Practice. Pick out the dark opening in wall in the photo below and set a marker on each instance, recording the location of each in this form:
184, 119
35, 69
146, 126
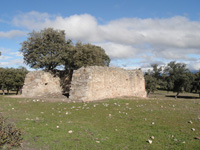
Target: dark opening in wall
65, 80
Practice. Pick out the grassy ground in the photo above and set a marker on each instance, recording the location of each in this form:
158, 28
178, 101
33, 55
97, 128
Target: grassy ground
116, 124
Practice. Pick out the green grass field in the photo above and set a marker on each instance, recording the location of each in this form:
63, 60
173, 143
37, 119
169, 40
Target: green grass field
115, 124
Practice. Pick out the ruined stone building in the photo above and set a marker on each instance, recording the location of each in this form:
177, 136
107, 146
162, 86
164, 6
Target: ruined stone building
40, 83
89, 83
94, 83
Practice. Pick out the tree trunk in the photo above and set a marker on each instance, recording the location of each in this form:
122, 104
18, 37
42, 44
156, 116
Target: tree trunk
17, 91
3, 92
148, 93
177, 95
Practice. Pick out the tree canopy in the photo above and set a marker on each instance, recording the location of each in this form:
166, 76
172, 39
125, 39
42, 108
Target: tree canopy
44, 49
11, 78
172, 77
177, 74
150, 82
86, 55
48, 49
196, 82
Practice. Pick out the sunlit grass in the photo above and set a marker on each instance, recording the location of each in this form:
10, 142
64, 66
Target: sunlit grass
109, 124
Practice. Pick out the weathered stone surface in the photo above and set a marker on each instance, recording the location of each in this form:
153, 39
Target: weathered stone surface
40, 83
95, 83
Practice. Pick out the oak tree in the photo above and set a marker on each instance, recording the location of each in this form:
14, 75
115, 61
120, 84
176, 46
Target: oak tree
44, 49
48, 49
177, 76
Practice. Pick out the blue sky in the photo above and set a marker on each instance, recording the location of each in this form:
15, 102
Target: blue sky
134, 33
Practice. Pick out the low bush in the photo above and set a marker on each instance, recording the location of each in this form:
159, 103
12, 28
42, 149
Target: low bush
10, 136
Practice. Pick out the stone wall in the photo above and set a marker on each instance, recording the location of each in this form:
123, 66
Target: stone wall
95, 83
40, 83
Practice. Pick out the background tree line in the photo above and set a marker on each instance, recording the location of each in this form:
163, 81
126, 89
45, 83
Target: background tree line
12, 79
172, 77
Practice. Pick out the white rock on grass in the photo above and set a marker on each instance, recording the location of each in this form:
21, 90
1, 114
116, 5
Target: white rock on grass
152, 137
190, 122
70, 131
150, 141
193, 129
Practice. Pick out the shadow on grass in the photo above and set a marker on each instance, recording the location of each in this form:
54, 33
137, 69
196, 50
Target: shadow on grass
184, 97
8, 93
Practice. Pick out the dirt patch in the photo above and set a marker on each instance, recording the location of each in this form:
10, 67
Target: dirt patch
14, 96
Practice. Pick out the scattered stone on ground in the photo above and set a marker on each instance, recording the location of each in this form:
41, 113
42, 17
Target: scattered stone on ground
150, 141
190, 122
197, 138
152, 137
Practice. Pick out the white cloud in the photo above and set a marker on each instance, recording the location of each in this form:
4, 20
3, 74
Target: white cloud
194, 65
8, 58
12, 33
4, 64
115, 50
32, 20
17, 62
12, 63
19, 54
77, 27
4, 50
5, 57
147, 39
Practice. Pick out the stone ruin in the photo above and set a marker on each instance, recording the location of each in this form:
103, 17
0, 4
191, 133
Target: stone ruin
95, 83
40, 83
88, 83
